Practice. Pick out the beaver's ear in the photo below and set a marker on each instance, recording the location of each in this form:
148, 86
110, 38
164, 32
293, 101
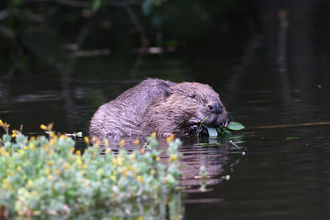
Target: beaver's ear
167, 93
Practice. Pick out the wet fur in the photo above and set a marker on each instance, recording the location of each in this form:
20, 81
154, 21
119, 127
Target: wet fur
155, 105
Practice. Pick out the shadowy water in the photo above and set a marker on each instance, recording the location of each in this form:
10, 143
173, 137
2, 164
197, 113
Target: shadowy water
280, 77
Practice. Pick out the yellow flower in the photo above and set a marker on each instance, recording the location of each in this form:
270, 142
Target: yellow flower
25, 147
5, 180
133, 156
32, 146
122, 143
108, 151
5, 185
85, 181
106, 142
30, 183
15, 133
10, 173
136, 142
3, 152
120, 160
79, 162
72, 149
170, 138
32, 138
78, 152
139, 178
142, 150
153, 134
114, 161
158, 159
53, 141
51, 134
174, 157
112, 177
1, 123
43, 127
152, 172
140, 217
49, 177
50, 126
86, 140
63, 136
21, 152
57, 172
47, 171
49, 163
97, 143
46, 148
18, 169
123, 171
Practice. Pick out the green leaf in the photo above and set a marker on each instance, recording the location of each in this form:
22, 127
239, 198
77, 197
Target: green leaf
291, 138
212, 131
235, 126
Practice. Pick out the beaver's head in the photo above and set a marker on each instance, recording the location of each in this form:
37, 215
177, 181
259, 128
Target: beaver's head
186, 101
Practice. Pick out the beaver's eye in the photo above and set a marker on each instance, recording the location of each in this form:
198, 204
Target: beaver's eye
192, 94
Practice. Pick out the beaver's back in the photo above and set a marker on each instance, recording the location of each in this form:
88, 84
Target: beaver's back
122, 116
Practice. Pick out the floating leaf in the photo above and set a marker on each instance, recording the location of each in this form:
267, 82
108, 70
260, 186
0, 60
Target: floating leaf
235, 126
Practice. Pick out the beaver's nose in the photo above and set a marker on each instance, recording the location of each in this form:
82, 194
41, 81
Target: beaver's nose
215, 107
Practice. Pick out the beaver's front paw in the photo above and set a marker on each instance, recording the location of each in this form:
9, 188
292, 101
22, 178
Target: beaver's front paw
193, 126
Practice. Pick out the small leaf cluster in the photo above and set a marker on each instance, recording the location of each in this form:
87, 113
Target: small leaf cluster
232, 126
48, 176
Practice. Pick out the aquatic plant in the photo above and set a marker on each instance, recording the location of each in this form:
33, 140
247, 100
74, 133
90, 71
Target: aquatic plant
42, 177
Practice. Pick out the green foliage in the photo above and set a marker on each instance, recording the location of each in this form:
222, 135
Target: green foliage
232, 126
42, 176
218, 131
235, 126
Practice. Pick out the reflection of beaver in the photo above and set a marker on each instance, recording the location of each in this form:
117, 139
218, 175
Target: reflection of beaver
161, 106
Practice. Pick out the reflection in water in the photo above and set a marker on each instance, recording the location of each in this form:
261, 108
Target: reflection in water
282, 60
302, 55
211, 157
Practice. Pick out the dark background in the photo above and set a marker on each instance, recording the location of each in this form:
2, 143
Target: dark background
60, 60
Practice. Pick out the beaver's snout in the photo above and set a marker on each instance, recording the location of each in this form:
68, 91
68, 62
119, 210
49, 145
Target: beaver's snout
216, 113
215, 107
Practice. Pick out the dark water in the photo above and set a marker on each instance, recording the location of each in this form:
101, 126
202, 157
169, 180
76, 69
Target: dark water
284, 172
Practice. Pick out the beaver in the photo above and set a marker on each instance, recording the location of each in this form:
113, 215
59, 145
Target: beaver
159, 106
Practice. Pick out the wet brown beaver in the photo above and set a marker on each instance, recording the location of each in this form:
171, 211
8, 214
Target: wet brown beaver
159, 106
